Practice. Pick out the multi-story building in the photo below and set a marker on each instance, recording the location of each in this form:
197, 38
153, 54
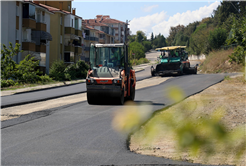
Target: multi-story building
107, 36
66, 32
91, 36
28, 24
121, 28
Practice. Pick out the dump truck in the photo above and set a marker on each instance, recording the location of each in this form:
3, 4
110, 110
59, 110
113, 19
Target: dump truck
109, 76
173, 59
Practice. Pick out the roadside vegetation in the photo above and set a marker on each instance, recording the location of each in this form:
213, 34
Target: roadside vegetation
139, 45
27, 74
219, 62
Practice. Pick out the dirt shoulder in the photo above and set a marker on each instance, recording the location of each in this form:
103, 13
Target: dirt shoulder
230, 94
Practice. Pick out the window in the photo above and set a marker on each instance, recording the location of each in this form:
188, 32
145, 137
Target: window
28, 11
17, 10
38, 16
76, 24
17, 34
43, 18
61, 20
61, 39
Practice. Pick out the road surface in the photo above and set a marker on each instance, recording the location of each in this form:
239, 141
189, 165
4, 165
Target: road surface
81, 134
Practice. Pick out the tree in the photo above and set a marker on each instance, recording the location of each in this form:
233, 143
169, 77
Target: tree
152, 38
238, 37
147, 46
137, 49
172, 33
217, 38
140, 36
8, 65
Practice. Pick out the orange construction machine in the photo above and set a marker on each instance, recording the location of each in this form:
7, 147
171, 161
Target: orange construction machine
109, 75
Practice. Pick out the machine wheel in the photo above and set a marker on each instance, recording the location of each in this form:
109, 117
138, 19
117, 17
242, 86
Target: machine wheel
132, 95
152, 71
90, 99
121, 99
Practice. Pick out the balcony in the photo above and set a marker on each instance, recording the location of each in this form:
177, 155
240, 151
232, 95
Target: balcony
69, 48
29, 23
41, 26
102, 40
78, 32
29, 45
69, 30
41, 48
78, 49
91, 38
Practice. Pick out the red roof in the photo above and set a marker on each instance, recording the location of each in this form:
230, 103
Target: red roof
94, 22
53, 9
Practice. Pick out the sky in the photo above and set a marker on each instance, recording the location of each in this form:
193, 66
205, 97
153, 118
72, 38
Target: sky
155, 16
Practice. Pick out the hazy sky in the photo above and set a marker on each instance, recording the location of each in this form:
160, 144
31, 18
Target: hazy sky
155, 16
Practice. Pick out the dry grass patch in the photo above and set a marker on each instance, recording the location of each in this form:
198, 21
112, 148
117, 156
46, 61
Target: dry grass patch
218, 62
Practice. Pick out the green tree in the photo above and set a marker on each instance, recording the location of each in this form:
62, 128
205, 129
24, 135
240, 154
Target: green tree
152, 38
140, 36
8, 65
238, 34
147, 46
217, 38
137, 49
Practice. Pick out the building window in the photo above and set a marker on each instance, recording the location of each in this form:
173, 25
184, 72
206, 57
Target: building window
17, 10
76, 24
38, 16
61, 20
61, 39
17, 34
29, 11
69, 8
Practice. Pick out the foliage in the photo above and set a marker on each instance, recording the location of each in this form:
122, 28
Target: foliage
147, 46
13, 74
134, 62
238, 36
57, 70
76, 71
217, 38
159, 41
8, 65
137, 49
140, 36
198, 134
27, 72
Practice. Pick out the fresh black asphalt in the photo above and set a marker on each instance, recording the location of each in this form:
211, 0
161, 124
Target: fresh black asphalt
82, 134
51, 93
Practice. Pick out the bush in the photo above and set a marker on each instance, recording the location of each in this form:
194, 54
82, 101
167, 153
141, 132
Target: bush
76, 71
57, 71
217, 38
7, 83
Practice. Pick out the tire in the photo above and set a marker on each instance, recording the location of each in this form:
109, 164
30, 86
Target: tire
152, 71
90, 99
132, 95
121, 99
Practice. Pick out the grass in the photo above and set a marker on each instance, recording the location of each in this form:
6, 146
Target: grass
218, 62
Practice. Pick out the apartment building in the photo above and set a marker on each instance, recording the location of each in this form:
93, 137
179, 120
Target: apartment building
91, 35
107, 36
121, 28
66, 32
28, 24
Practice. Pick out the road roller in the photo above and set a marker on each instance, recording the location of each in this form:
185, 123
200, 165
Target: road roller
109, 77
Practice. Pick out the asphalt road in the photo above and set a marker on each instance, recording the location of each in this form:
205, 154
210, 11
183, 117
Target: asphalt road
51, 93
81, 134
